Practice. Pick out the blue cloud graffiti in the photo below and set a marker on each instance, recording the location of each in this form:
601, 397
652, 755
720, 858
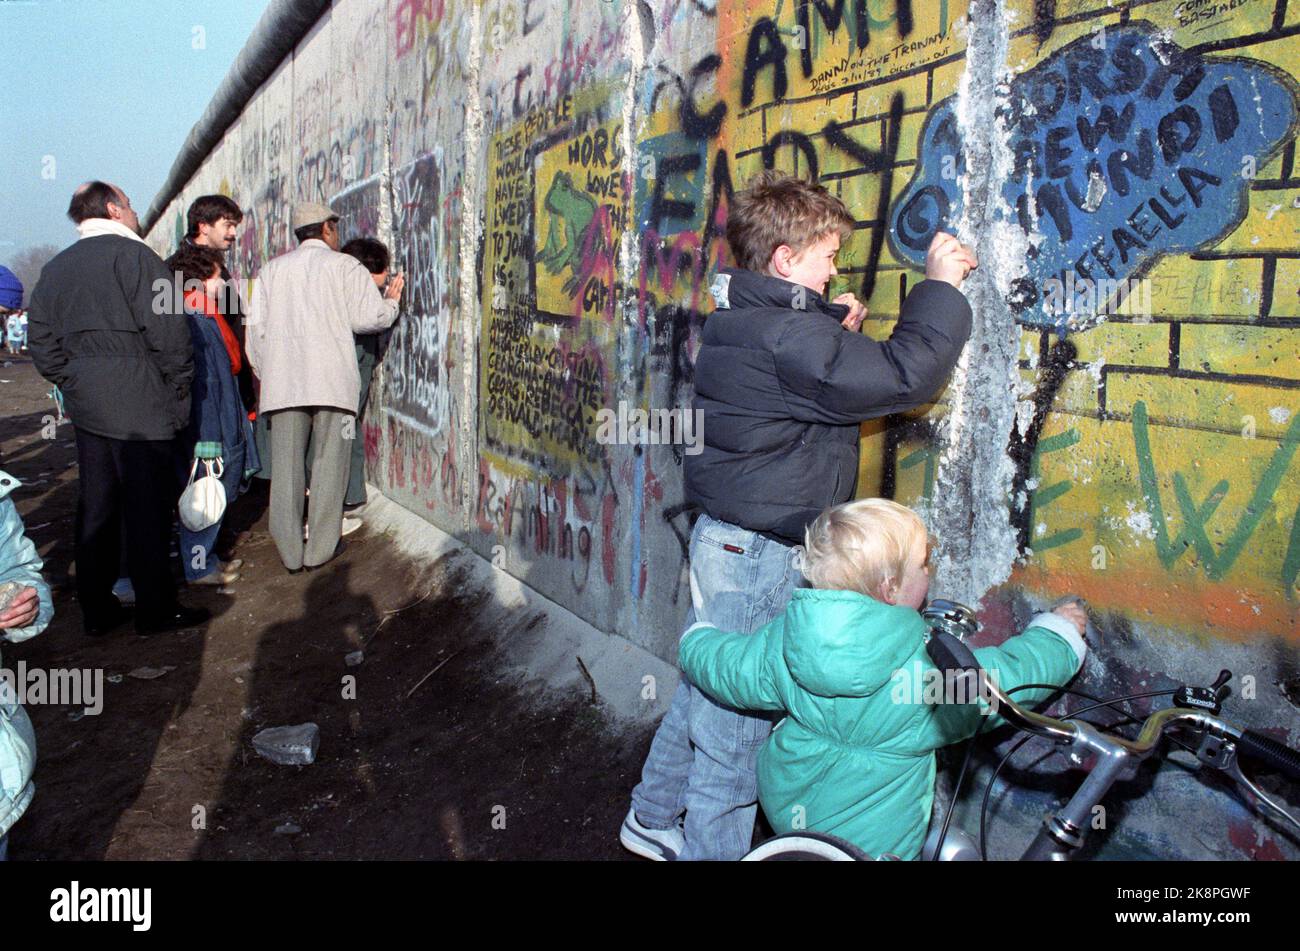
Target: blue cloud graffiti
1124, 150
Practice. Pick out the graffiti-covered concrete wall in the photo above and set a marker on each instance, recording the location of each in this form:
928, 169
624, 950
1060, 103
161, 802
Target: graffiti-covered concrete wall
554, 177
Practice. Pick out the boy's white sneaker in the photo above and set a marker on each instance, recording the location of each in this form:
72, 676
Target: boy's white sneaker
660, 845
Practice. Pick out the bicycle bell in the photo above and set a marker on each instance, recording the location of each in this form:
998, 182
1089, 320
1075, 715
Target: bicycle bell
950, 617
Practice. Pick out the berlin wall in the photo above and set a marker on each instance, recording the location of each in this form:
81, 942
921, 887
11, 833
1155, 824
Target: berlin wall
554, 178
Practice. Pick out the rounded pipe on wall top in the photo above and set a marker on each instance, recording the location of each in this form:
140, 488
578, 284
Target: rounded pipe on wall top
282, 26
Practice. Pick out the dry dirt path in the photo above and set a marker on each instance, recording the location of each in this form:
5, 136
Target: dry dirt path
167, 769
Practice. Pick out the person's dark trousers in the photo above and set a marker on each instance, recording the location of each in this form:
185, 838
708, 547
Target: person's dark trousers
367, 357
262, 436
247, 390
124, 486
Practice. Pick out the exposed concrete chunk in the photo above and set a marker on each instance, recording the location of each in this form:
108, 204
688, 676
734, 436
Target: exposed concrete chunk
970, 514
289, 745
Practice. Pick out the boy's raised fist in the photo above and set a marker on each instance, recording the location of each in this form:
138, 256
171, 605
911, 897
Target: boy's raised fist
949, 260
857, 311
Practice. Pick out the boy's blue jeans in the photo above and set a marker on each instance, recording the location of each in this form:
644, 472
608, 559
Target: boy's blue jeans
702, 759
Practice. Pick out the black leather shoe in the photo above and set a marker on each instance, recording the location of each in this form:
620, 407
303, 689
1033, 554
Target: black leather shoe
102, 622
177, 618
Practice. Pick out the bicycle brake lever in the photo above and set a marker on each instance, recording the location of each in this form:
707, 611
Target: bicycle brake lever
1222, 754
1216, 751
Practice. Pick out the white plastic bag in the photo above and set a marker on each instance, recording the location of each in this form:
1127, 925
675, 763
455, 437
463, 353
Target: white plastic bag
204, 500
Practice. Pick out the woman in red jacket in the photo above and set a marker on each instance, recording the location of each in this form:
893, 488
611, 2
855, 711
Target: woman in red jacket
219, 427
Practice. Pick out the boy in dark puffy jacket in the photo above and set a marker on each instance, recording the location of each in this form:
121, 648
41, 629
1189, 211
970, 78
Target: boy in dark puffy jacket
783, 380
865, 706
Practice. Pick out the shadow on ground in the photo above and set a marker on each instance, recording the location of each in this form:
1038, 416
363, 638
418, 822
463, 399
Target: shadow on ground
432, 752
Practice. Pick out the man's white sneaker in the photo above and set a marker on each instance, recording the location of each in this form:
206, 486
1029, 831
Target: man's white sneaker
349, 526
660, 845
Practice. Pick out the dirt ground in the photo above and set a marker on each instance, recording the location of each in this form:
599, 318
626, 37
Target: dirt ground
468, 764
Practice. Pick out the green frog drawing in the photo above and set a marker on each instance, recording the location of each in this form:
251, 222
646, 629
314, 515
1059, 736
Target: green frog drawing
572, 213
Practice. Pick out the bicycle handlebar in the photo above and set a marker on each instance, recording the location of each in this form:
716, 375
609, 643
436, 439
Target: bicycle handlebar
952, 655
1278, 755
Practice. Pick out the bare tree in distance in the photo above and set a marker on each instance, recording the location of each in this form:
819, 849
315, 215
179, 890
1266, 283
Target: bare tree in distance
27, 265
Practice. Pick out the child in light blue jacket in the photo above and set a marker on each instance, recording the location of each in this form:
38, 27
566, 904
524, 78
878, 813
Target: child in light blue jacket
846, 662
26, 615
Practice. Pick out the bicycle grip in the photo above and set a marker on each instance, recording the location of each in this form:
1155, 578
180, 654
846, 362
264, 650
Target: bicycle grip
1278, 755
948, 653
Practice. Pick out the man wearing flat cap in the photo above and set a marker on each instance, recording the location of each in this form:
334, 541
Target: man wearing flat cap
306, 306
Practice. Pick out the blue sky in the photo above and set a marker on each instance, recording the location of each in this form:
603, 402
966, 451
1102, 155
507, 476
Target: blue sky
106, 89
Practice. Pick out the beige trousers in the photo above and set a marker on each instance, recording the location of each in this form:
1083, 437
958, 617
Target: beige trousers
331, 432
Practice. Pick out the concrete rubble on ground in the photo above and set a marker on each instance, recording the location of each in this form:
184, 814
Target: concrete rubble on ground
289, 745
151, 673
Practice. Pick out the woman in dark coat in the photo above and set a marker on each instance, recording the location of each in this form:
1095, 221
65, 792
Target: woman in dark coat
219, 426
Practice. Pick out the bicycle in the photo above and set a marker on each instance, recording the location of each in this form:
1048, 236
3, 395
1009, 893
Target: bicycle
1218, 744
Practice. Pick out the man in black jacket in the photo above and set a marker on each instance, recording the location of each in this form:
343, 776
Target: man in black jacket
103, 329
784, 381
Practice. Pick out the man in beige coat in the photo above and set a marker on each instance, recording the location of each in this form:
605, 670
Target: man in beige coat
306, 306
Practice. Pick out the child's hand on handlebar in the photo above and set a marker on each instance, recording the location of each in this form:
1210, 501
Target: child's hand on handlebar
1073, 611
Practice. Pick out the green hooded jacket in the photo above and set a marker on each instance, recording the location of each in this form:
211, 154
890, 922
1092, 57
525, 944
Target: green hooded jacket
855, 755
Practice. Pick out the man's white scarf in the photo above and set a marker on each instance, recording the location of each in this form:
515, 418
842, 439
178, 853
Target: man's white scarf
94, 227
